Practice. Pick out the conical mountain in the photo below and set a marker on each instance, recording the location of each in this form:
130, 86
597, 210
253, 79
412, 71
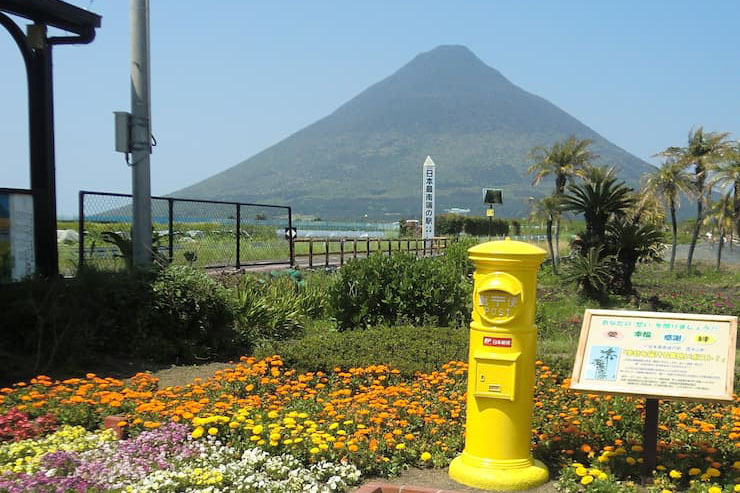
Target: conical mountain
366, 157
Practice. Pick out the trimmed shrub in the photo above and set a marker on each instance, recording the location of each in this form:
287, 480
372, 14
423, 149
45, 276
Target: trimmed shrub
191, 316
479, 226
407, 348
267, 310
170, 315
400, 289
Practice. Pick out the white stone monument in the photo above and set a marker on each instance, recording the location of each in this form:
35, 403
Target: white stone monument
427, 203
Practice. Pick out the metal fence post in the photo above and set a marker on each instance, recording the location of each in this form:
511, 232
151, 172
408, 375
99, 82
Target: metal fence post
171, 229
368, 247
290, 237
310, 253
341, 251
238, 234
81, 231
326, 252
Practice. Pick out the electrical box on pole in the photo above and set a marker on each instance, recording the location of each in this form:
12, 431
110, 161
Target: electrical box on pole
123, 131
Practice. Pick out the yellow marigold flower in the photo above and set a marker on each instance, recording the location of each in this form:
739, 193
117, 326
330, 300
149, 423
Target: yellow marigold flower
736, 464
660, 467
637, 448
400, 446
581, 471
737, 487
715, 489
314, 450
198, 432
272, 414
212, 431
665, 491
603, 458
675, 474
712, 472
694, 471
425, 456
602, 476
233, 425
631, 461
587, 480
576, 465
257, 429
334, 426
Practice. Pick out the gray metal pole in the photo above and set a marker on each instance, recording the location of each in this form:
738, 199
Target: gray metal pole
141, 133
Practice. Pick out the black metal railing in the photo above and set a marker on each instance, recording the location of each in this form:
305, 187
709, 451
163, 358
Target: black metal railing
201, 233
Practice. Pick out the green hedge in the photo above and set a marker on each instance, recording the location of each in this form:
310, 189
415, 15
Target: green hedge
407, 348
173, 315
400, 289
454, 224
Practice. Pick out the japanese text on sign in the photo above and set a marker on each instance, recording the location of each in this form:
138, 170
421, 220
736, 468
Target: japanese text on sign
428, 199
656, 354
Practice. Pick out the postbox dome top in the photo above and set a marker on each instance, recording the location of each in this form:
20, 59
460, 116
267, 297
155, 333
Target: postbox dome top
508, 248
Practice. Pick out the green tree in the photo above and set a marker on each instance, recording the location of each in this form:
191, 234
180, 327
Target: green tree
666, 183
702, 151
720, 220
562, 160
727, 175
599, 197
591, 271
547, 209
633, 242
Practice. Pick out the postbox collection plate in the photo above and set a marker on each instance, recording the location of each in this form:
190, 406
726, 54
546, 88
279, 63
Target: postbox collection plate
496, 375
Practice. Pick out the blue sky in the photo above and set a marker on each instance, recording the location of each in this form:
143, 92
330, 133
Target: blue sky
234, 77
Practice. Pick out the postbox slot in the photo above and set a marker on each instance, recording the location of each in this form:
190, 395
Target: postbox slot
495, 375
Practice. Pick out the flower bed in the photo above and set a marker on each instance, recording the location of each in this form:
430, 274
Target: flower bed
166, 459
380, 423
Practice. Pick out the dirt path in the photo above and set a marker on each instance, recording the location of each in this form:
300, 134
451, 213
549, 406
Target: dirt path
440, 479
182, 375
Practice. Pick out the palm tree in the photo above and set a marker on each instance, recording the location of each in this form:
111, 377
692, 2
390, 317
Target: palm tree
720, 220
633, 242
547, 209
727, 175
562, 160
666, 183
599, 198
702, 151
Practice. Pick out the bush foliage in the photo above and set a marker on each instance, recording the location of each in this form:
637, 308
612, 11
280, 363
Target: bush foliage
407, 348
400, 289
170, 315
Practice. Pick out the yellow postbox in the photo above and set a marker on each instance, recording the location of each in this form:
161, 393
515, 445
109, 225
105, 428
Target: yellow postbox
503, 341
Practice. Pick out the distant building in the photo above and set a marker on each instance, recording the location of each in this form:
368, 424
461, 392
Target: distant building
457, 210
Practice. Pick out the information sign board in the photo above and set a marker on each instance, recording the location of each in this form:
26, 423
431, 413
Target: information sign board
656, 355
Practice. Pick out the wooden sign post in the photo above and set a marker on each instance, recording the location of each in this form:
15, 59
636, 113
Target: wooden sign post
656, 356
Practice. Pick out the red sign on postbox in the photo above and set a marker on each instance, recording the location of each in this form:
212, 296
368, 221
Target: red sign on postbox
497, 341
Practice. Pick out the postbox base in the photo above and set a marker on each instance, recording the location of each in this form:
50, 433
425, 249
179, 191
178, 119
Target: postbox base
489, 474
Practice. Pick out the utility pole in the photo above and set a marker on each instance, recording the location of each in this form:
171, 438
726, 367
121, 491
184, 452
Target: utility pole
141, 134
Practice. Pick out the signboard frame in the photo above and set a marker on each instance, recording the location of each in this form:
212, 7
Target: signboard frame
578, 384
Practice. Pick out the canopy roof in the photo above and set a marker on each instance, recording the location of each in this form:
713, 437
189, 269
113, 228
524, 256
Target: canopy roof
54, 13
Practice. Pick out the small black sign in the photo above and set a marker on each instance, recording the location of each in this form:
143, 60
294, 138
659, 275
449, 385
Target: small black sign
290, 233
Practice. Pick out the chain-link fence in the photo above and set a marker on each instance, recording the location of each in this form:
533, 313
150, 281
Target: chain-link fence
201, 233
